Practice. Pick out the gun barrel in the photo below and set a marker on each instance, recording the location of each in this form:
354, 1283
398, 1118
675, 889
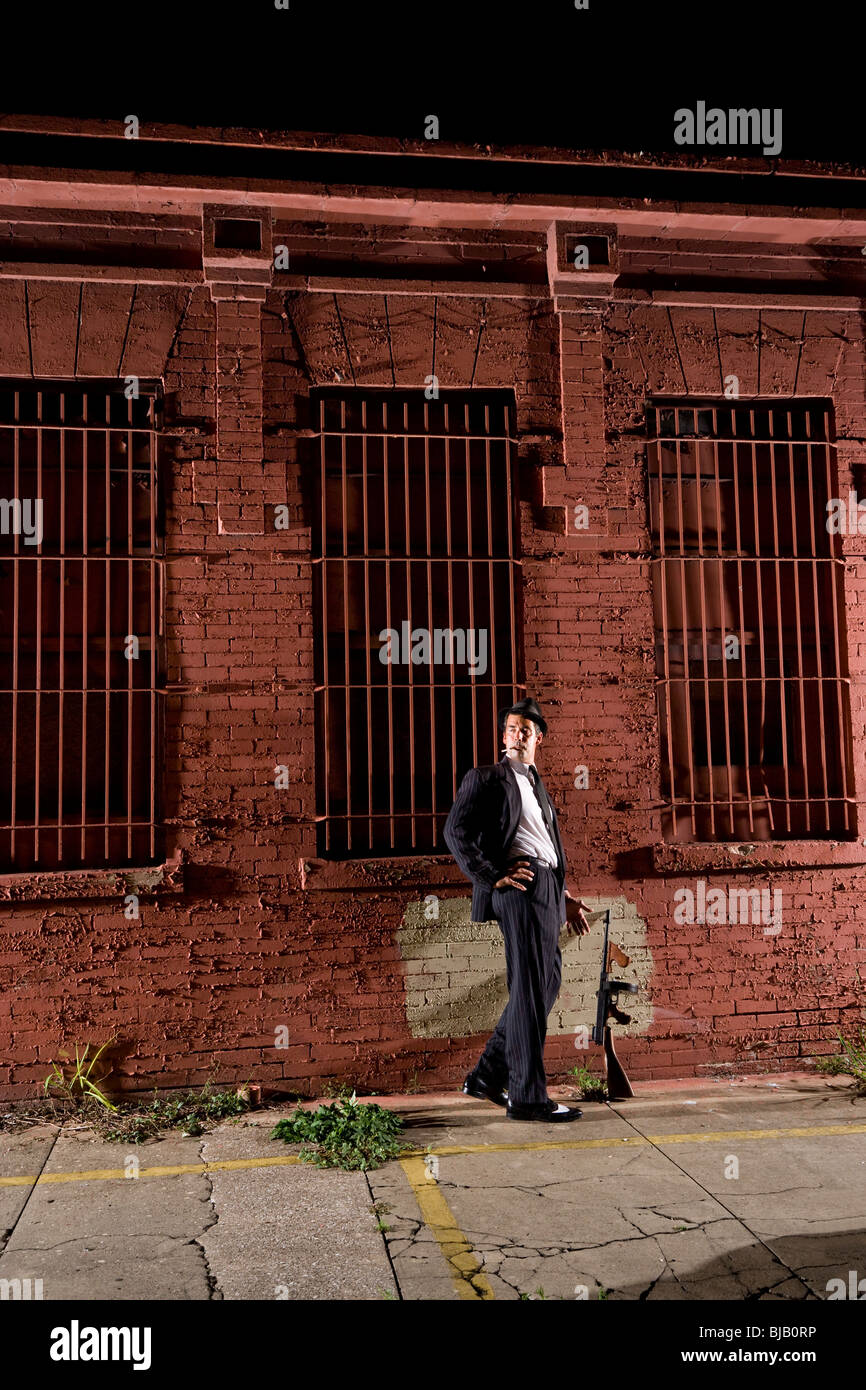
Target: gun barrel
601, 1009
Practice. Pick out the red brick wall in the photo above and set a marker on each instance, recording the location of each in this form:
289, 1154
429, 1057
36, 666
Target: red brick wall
721, 994
199, 984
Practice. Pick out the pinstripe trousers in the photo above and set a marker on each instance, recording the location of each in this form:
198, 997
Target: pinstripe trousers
530, 923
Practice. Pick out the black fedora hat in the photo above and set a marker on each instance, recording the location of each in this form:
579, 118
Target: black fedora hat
527, 709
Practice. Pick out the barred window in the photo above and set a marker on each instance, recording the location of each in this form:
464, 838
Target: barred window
753, 695
81, 601
417, 609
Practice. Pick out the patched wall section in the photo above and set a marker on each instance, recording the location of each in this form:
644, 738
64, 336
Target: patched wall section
455, 970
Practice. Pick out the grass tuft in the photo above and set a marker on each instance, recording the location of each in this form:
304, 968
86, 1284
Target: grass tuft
190, 1112
851, 1061
591, 1087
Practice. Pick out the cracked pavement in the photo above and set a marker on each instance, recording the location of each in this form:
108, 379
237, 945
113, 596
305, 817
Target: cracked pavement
720, 1216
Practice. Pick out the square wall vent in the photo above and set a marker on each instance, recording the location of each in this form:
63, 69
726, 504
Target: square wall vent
237, 234
233, 236
582, 258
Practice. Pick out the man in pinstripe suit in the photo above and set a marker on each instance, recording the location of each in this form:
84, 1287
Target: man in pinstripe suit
503, 832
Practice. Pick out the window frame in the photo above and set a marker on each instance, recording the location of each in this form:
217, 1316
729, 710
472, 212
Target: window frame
671, 854
330, 864
117, 873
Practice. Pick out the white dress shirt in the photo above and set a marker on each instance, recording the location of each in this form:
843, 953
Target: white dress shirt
531, 838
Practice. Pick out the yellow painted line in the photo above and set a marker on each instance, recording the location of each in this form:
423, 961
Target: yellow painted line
167, 1171
466, 1271
632, 1140
699, 1137
794, 1132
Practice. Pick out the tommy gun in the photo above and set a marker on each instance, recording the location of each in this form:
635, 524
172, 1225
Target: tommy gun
618, 1085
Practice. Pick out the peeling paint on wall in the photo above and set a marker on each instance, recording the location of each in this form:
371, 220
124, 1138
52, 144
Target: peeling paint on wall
240, 939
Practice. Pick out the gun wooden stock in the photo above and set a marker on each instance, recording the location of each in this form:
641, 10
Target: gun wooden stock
618, 1084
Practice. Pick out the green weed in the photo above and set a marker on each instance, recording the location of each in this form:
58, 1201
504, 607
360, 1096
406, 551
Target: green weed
74, 1079
591, 1087
851, 1061
189, 1112
346, 1135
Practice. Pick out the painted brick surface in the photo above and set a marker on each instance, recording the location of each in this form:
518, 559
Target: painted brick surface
252, 971
456, 981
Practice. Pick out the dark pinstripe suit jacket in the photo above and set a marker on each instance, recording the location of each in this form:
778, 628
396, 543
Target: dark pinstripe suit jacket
480, 827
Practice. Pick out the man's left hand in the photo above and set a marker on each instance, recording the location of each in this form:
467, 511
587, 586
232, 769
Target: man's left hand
576, 923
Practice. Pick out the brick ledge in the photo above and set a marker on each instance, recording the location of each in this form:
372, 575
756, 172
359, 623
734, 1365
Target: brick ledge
167, 877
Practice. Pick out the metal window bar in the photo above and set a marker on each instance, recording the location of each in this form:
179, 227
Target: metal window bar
79, 721
415, 520
752, 687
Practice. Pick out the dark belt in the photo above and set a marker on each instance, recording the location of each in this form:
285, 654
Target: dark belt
535, 863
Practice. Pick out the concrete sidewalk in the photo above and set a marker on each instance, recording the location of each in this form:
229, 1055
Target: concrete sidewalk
726, 1190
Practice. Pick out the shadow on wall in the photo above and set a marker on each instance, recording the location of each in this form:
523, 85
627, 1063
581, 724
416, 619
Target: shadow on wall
455, 970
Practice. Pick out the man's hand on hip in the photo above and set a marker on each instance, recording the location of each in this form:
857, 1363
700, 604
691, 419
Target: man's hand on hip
517, 871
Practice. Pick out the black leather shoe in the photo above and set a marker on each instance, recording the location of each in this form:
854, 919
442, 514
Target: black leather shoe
474, 1086
548, 1112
